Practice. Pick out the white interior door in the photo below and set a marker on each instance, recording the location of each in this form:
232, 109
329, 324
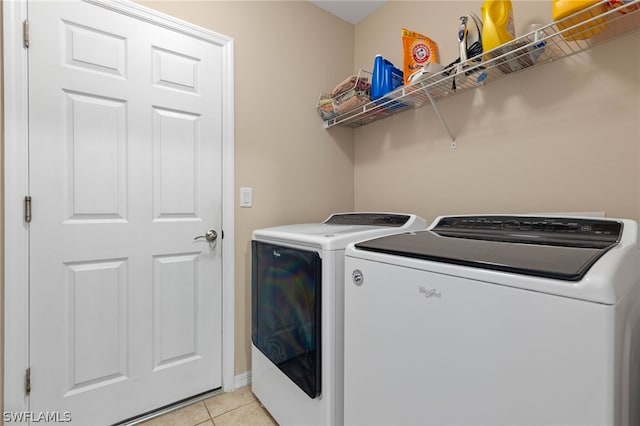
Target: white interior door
125, 170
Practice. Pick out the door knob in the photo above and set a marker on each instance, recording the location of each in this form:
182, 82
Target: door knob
211, 236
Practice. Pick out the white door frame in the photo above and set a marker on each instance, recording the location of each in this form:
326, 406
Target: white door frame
16, 182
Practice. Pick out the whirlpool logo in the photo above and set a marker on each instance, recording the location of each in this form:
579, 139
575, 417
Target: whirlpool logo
429, 292
357, 276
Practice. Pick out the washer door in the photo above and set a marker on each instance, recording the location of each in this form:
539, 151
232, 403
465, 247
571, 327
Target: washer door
285, 296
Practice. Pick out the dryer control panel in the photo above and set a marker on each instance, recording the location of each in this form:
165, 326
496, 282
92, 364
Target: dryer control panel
369, 219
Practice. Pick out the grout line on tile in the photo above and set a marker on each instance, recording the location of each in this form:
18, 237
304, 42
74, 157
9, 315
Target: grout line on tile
208, 412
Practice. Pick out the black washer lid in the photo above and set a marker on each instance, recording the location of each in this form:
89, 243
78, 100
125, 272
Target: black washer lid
562, 249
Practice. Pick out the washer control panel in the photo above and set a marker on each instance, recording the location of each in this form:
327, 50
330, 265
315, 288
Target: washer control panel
541, 227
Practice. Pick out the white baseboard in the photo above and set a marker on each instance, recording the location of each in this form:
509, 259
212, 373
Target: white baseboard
242, 380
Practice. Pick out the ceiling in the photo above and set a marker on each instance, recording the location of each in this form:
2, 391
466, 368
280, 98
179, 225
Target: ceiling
352, 11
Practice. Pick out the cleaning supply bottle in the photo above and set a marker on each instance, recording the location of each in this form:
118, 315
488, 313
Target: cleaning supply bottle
378, 78
385, 77
563, 9
497, 23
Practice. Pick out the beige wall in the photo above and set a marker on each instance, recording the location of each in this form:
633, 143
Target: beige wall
562, 137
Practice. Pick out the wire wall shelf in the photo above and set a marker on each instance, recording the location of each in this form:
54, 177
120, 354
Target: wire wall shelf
576, 33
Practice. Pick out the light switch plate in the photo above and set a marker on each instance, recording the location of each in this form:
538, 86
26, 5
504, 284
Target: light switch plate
246, 197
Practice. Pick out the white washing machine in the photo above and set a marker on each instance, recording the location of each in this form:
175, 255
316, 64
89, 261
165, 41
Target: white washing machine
495, 320
297, 313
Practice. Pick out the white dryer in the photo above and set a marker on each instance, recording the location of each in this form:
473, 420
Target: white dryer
297, 313
495, 320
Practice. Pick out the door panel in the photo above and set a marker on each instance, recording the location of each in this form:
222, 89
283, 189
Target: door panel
97, 347
97, 164
94, 50
125, 170
175, 165
175, 292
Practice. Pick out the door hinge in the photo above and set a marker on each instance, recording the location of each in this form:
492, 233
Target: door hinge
27, 381
27, 209
25, 34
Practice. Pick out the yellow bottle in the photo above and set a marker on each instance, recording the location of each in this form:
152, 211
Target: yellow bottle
497, 23
563, 8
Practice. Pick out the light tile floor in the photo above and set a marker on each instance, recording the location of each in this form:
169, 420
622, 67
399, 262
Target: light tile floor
236, 408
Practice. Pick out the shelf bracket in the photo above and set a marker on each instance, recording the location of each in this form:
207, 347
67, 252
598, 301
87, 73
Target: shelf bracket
442, 120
